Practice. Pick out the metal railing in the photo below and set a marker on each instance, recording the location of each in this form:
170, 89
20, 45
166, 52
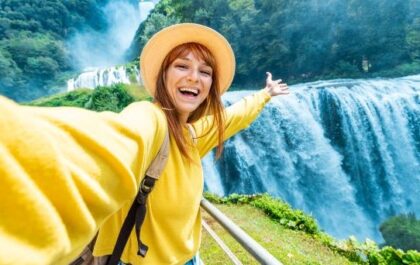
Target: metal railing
249, 244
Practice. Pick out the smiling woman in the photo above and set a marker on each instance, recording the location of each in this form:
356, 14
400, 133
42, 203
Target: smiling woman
186, 68
77, 170
186, 91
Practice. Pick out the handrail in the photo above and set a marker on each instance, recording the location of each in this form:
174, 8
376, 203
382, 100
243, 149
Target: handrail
222, 244
255, 249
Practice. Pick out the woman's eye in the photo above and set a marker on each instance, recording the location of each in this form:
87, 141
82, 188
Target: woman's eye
182, 66
208, 73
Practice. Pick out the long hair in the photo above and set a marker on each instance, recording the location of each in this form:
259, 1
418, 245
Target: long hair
211, 105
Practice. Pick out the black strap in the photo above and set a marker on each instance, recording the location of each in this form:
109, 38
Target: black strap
137, 212
136, 216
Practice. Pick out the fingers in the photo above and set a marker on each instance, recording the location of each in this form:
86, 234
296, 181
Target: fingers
269, 77
276, 87
283, 89
282, 86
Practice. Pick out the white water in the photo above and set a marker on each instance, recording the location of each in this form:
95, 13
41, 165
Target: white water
100, 49
346, 151
103, 77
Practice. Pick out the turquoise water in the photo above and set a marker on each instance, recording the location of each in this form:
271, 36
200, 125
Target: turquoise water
345, 151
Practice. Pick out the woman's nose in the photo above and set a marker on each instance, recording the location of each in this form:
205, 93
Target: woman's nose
193, 76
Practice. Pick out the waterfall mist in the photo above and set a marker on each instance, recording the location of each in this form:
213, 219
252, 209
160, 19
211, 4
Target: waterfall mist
345, 151
90, 48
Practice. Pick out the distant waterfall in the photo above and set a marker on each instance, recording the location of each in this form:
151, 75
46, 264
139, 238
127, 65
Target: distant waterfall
104, 77
345, 151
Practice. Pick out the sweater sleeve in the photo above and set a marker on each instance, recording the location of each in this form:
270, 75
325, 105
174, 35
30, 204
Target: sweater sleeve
237, 117
64, 170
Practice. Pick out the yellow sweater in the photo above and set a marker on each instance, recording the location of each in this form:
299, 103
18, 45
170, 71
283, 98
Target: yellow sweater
63, 171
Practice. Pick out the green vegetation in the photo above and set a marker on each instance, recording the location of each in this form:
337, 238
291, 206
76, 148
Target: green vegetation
298, 40
33, 55
402, 231
297, 239
113, 98
304, 40
77, 98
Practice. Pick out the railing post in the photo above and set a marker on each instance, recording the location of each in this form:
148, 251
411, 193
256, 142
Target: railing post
255, 249
221, 244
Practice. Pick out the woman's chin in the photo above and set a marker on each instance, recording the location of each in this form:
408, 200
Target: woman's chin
186, 109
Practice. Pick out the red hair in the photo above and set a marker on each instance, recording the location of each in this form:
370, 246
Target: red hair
211, 105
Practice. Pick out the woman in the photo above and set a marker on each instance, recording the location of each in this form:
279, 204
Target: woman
76, 167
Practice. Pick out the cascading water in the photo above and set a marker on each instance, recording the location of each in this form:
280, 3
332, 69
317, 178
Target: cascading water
345, 151
104, 77
97, 51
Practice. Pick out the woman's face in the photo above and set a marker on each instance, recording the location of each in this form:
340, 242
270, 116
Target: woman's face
188, 80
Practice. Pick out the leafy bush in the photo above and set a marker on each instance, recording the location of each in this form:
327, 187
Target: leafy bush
389, 255
402, 231
113, 98
275, 208
285, 215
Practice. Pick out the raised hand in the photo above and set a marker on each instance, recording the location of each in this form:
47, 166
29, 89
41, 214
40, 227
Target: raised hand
275, 87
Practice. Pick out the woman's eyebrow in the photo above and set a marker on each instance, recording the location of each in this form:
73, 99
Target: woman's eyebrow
184, 58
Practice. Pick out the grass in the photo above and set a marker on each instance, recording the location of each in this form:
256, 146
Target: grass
289, 246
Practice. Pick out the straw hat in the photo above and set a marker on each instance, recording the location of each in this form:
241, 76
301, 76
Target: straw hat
156, 49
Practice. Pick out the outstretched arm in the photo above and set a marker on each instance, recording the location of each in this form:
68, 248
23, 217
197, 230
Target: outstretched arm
63, 171
239, 115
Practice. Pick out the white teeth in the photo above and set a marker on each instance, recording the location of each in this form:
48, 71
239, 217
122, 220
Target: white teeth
187, 89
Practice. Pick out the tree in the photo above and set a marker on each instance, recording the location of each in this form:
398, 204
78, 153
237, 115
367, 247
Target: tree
413, 39
9, 75
32, 36
402, 231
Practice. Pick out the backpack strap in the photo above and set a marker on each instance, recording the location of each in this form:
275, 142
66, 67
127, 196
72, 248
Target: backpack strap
137, 212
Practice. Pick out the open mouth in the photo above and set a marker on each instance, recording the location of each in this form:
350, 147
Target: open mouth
189, 91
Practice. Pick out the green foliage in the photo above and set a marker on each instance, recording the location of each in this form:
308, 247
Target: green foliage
285, 215
400, 70
413, 40
402, 231
77, 98
10, 74
32, 35
49, 16
275, 208
345, 69
389, 255
114, 98
156, 22
306, 40
367, 253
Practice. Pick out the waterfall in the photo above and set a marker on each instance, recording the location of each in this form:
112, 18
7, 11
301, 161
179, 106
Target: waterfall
345, 151
104, 77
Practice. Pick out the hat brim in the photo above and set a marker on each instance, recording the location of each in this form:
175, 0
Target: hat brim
158, 47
